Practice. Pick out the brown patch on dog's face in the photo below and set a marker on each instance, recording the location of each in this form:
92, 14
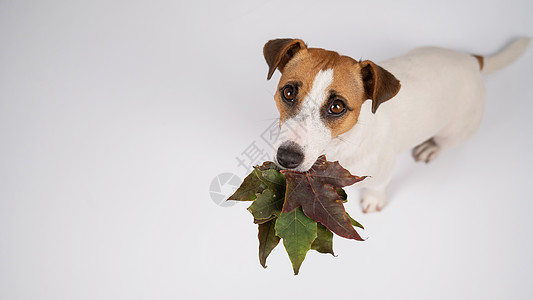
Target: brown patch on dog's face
347, 88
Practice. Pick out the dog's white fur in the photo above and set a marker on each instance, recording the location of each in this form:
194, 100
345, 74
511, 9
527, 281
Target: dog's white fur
432, 111
307, 129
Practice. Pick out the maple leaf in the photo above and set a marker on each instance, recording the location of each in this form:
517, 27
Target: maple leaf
354, 222
273, 180
298, 233
267, 206
316, 192
250, 186
324, 240
256, 182
268, 240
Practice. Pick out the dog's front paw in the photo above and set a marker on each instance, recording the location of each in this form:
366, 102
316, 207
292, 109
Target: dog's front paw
373, 200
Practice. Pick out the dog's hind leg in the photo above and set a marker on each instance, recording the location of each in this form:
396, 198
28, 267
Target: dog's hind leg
451, 136
461, 127
427, 151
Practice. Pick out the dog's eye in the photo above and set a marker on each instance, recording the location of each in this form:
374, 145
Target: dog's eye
337, 107
288, 93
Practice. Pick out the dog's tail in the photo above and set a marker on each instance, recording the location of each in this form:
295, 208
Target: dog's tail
500, 60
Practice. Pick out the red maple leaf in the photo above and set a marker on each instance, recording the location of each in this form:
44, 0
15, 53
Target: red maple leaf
315, 191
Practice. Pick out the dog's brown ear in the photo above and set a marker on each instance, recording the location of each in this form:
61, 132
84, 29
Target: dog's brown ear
379, 84
278, 53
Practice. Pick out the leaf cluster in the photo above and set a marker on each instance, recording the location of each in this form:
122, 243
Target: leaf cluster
303, 209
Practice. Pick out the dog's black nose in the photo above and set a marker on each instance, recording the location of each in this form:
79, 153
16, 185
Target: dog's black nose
290, 155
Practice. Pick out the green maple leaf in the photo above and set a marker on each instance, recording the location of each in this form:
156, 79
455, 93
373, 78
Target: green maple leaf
268, 240
316, 192
324, 240
354, 222
267, 205
250, 186
272, 178
257, 181
298, 233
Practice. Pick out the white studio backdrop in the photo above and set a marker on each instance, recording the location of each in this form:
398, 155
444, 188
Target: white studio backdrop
116, 117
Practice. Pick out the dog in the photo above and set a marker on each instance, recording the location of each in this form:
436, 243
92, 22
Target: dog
427, 100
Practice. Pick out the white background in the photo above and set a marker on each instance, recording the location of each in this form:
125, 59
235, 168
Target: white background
115, 116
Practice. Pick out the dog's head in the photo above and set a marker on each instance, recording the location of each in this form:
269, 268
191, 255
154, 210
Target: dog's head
319, 97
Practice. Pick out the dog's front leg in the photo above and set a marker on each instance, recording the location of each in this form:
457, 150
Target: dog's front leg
374, 196
373, 199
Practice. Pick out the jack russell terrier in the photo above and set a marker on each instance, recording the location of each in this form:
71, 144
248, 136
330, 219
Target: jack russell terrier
429, 99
